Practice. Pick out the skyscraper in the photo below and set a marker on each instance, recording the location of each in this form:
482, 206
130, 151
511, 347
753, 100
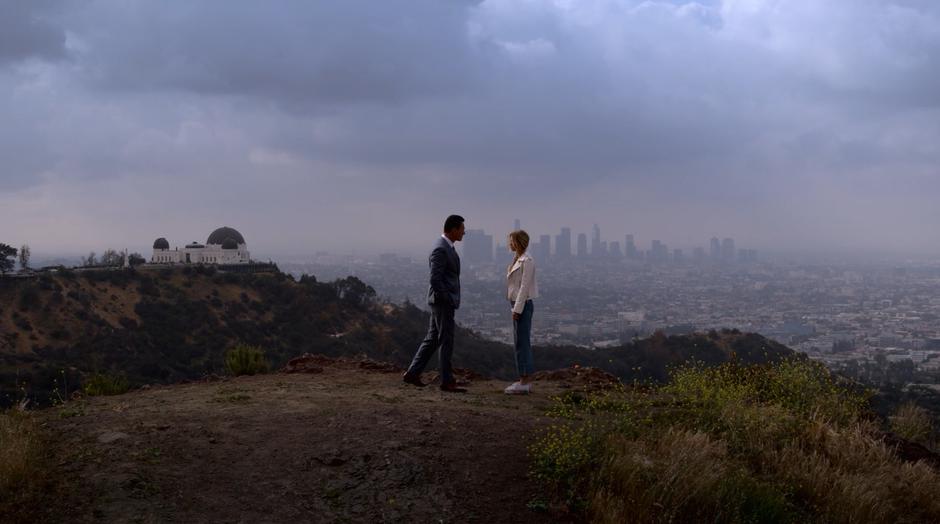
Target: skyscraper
516, 225
503, 255
629, 247
582, 245
747, 255
544, 247
715, 251
614, 250
596, 242
658, 252
478, 247
727, 250
563, 244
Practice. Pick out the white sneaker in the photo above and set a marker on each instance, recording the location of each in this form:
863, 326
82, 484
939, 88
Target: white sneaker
518, 388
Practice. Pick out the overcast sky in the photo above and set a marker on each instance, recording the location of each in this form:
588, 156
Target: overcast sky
360, 124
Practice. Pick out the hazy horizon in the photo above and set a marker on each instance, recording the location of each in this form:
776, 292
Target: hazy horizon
796, 126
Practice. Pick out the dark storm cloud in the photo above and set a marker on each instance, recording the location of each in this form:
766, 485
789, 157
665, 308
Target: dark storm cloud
501, 91
296, 54
549, 87
722, 109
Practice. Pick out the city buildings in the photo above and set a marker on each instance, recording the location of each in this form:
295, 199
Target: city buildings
629, 247
727, 250
858, 318
582, 245
477, 247
542, 250
563, 244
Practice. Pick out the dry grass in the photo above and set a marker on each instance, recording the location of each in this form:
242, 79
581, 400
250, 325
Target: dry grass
661, 480
24, 477
913, 423
828, 474
849, 475
776, 444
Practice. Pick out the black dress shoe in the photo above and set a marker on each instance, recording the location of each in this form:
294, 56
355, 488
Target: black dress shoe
414, 380
452, 387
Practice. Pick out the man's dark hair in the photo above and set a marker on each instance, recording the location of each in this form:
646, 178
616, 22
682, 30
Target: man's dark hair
452, 223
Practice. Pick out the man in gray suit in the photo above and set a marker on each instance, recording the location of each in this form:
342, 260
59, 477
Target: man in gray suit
444, 299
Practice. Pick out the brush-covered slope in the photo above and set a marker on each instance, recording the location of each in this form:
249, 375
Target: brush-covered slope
159, 326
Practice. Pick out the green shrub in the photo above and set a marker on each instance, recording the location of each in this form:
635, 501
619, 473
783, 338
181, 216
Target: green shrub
103, 384
802, 388
245, 360
563, 458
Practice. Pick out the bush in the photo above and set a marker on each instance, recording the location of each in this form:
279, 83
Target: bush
564, 457
148, 287
801, 388
101, 384
245, 360
29, 298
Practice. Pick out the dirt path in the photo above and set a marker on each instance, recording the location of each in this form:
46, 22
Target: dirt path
337, 446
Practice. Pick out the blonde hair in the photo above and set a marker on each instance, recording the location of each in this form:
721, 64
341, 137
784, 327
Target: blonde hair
519, 239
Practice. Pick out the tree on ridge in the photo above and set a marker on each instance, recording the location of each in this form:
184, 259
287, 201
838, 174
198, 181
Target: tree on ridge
6, 258
25, 252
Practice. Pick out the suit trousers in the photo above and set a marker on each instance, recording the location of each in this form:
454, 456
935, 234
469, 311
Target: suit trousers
440, 336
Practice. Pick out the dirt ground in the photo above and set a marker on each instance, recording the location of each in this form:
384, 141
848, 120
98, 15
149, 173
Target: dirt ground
340, 445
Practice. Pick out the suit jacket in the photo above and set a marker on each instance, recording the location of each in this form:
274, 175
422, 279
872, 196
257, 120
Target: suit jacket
445, 275
520, 281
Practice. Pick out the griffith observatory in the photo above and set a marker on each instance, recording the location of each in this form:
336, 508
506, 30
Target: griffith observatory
224, 246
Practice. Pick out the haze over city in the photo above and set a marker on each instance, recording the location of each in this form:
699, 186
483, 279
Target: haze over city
799, 125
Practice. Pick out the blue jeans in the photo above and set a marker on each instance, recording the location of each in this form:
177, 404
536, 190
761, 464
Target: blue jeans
522, 340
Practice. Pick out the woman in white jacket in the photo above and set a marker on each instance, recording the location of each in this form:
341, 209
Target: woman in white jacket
522, 288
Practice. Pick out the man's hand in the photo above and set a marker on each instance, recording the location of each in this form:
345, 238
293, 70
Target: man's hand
516, 316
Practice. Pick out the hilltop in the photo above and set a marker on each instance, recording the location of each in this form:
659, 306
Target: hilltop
164, 326
346, 443
343, 440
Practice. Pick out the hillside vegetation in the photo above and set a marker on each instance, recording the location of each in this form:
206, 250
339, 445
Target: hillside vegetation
345, 441
781, 443
163, 326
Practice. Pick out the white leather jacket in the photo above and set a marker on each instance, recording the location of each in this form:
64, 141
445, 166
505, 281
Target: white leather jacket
521, 282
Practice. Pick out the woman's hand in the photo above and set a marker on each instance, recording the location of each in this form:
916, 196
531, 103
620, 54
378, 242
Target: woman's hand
516, 316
